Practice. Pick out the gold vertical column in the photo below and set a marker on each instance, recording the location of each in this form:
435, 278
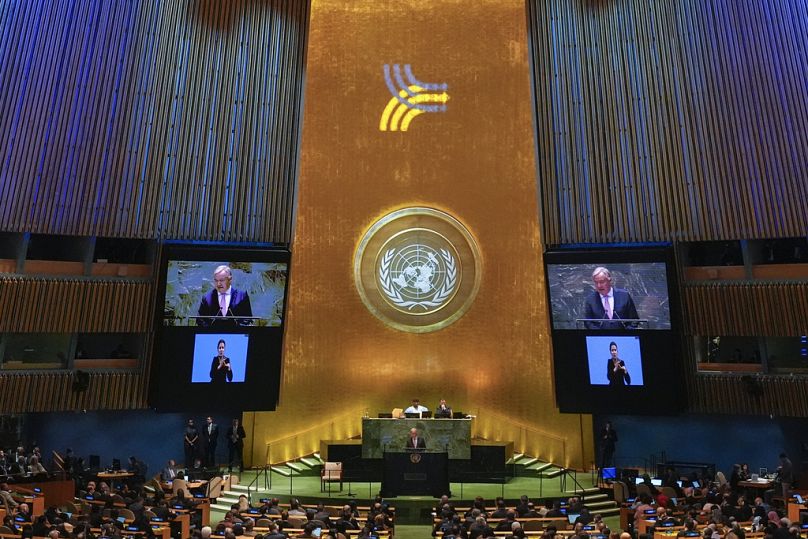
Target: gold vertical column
472, 156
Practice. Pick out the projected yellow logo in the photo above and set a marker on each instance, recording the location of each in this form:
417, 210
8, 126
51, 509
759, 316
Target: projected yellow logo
411, 98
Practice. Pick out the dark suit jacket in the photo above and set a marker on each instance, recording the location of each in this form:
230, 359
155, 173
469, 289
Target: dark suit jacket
211, 439
623, 309
618, 378
239, 306
238, 434
421, 443
220, 375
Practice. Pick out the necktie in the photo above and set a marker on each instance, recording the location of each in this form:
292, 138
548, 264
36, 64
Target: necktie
607, 308
222, 305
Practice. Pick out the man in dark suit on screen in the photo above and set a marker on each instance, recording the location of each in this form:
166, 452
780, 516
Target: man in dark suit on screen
415, 441
607, 307
223, 305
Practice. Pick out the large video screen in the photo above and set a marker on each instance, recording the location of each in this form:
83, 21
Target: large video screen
609, 295
614, 320
219, 328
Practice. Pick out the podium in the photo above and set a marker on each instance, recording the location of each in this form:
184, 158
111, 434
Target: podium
415, 473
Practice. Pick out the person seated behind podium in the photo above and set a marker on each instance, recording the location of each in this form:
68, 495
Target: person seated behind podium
170, 473
605, 306
416, 408
224, 302
415, 441
443, 410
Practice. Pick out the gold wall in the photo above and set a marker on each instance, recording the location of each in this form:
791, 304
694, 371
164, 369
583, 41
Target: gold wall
476, 161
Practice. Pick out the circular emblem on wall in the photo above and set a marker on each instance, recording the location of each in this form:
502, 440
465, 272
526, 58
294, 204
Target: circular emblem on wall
417, 269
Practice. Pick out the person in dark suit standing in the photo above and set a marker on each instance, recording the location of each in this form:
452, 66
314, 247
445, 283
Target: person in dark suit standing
211, 435
191, 443
221, 370
608, 441
616, 370
235, 445
606, 306
224, 303
415, 441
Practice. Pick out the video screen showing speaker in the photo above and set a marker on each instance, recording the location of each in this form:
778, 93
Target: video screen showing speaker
615, 337
219, 328
602, 294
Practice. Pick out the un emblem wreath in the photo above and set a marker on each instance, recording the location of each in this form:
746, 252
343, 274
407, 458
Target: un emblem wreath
417, 269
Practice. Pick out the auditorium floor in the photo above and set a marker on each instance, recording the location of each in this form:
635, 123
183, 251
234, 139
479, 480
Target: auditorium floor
413, 512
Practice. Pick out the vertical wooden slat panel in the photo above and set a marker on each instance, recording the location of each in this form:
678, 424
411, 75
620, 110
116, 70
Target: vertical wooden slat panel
75, 305
755, 308
664, 121
139, 119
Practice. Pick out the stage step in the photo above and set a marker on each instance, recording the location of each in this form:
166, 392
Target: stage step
282, 469
595, 507
540, 466
595, 498
515, 458
242, 489
528, 462
581, 491
551, 472
298, 467
311, 462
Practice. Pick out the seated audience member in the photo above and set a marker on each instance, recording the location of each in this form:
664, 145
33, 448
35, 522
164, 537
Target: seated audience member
242, 505
321, 515
24, 512
507, 523
283, 522
295, 510
639, 512
501, 510
170, 471
521, 507
42, 526
690, 526
6, 496
18, 466
35, 467
584, 517
555, 512
574, 505
479, 503
346, 520
531, 511
274, 532
269, 506
480, 528
137, 467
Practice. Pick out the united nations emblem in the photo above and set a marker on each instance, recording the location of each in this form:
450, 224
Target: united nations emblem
415, 458
417, 269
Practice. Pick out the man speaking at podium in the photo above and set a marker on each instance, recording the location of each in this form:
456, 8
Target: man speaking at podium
415, 441
224, 304
606, 306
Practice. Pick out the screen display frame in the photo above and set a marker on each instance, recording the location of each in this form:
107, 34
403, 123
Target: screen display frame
580, 371
175, 353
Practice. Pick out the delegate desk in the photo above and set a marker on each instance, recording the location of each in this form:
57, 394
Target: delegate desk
450, 435
413, 473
